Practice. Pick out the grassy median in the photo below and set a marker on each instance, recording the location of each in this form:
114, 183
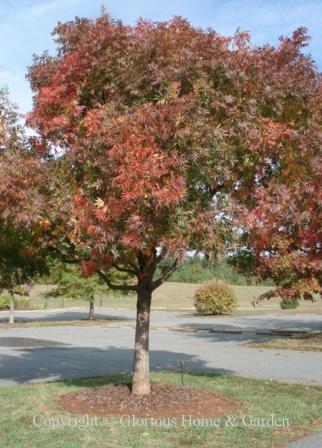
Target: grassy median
306, 342
299, 406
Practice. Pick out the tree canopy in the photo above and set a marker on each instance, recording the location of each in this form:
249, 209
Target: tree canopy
174, 138
21, 205
160, 119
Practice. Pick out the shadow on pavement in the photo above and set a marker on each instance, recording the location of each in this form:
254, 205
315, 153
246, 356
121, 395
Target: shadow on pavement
63, 316
52, 363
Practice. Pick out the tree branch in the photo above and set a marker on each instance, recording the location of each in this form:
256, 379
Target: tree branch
265, 296
65, 258
111, 285
162, 254
25, 289
168, 274
128, 271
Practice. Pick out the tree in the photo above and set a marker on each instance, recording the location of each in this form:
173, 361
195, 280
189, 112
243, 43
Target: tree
74, 286
283, 236
20, 263
72, 283
282, 232
164, 127
21, 257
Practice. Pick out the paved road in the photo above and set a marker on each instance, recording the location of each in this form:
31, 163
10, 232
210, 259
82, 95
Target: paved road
179, 319
314, 441
47, 353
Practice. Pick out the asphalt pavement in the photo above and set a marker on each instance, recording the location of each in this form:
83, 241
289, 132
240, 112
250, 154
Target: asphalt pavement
209, 344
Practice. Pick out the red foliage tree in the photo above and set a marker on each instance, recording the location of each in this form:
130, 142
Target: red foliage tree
22, 204
163, 125
282, 222
284, 234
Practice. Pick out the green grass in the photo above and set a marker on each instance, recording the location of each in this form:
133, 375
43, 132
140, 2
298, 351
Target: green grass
308, 342
301, 405
170, 295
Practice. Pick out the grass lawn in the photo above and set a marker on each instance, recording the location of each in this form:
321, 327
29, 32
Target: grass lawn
307, 342
170, 295
301, 405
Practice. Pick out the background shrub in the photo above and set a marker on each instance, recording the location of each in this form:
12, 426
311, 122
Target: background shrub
20, 303
198, 269
289, 304
215, 297
4, 302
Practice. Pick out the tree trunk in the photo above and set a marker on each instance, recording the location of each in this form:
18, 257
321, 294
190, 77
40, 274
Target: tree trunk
12, 309
141, 366
91, 308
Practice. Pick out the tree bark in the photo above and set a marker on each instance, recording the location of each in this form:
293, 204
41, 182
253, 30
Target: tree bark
141, 364
12, 309
91, 308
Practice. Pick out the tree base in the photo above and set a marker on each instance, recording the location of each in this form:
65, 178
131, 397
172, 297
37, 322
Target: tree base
141, 390
165, 400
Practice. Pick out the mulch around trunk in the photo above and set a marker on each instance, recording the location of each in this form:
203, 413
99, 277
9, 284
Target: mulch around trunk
165, 400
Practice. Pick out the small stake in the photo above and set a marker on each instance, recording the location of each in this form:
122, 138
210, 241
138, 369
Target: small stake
181, 365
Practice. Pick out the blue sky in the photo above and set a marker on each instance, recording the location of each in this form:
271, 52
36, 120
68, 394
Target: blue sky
25, 25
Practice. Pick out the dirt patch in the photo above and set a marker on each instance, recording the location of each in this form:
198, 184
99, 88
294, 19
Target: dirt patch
165, 400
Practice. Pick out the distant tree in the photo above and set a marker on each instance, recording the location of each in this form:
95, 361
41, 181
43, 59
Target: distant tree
20, 263
164, 127
21, 255
71, 283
